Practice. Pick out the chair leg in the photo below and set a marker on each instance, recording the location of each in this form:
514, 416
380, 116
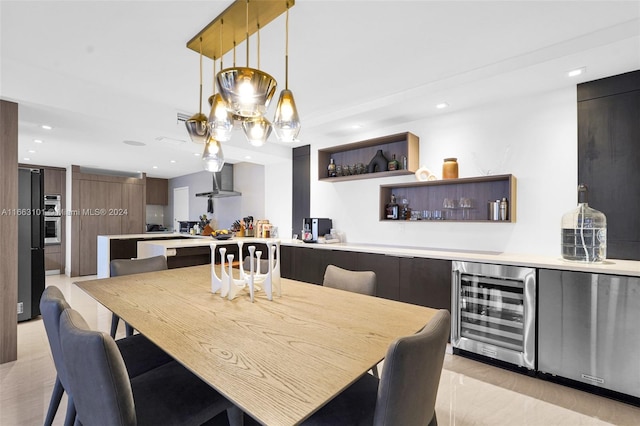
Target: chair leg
235, 416
56, 396
374, 372
114, 324
128, 329
70, 417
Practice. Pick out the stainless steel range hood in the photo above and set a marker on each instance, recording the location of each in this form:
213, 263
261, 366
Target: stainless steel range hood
222, 184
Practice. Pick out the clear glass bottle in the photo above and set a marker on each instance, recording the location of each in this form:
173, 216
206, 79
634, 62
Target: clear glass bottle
584, 232
331, 169
392, 210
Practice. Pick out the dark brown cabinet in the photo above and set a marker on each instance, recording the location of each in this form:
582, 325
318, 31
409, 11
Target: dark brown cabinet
54, 181
102, 205
426, 282
415, 280
52, 257
301, 187
387, 269
157, 191
608, 157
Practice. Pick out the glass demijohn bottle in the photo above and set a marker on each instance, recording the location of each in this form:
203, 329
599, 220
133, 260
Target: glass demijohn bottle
584, 232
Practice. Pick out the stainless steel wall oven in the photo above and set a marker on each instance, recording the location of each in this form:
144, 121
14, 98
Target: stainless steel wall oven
52, 229
493, 311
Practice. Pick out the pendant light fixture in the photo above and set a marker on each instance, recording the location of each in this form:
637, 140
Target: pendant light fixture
246, 91
212, 157
257, 130
197, 125
220, 121
286, 122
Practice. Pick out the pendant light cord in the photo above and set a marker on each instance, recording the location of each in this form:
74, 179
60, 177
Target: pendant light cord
247, 15
200, 104
221, 45
286, 52
258, 45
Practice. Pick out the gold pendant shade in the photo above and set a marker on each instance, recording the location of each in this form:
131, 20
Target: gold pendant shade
212, 157
246, 91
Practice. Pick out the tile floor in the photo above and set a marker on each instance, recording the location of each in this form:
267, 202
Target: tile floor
471, 393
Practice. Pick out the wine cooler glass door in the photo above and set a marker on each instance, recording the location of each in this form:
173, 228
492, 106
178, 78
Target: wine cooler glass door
494, 311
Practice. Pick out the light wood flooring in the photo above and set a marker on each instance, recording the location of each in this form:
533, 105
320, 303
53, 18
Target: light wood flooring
471, 393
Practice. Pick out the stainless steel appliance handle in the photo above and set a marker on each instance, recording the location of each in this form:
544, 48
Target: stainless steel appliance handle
455, 306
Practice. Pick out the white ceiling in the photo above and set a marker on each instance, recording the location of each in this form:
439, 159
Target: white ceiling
103, 72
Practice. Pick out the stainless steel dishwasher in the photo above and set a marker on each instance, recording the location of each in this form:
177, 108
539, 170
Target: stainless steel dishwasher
589, 329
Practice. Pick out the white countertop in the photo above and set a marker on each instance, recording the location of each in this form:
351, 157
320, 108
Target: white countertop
610, 266
150, 235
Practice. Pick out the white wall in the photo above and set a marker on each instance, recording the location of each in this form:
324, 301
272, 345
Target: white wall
248, 178
533, 138
278, 194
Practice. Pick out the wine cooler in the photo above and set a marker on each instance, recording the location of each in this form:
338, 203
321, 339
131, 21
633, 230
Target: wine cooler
493, 312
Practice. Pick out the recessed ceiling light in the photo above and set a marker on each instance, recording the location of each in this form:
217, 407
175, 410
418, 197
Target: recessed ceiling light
172, 161
442, 105
31, 151
134, 143
247, 157
197, 154
356, 126
27, 159
38, 140
46, 127
577, 72
155, 167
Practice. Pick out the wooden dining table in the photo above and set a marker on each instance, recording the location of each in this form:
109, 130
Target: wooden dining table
280, 360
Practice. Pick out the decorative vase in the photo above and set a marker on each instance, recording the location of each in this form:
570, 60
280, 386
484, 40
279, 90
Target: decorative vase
450, 168
379, 162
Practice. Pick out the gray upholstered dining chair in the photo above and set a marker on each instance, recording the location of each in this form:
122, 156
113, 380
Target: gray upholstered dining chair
119, 267
139, 353
363, 282
405, 394
105, 395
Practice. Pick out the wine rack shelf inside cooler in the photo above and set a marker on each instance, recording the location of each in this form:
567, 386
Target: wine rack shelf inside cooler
492, 311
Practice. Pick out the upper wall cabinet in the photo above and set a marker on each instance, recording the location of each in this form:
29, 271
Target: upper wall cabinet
54, 181
157, 191
353, 159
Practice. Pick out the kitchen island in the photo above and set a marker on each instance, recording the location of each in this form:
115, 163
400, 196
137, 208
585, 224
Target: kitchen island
124, 246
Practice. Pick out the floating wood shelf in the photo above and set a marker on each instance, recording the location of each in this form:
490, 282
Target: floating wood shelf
402, 144
430, 196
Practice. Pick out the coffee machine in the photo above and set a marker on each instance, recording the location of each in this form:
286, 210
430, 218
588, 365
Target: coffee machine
314, 227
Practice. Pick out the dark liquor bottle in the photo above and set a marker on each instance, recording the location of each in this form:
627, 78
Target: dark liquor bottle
393, 164
392, 209
331, 169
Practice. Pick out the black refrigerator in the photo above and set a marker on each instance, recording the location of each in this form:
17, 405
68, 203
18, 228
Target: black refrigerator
30, 242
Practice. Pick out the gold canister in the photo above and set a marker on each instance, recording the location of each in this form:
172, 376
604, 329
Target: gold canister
450, 168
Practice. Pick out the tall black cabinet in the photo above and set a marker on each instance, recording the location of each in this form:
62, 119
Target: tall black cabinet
301, 187
609, 157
